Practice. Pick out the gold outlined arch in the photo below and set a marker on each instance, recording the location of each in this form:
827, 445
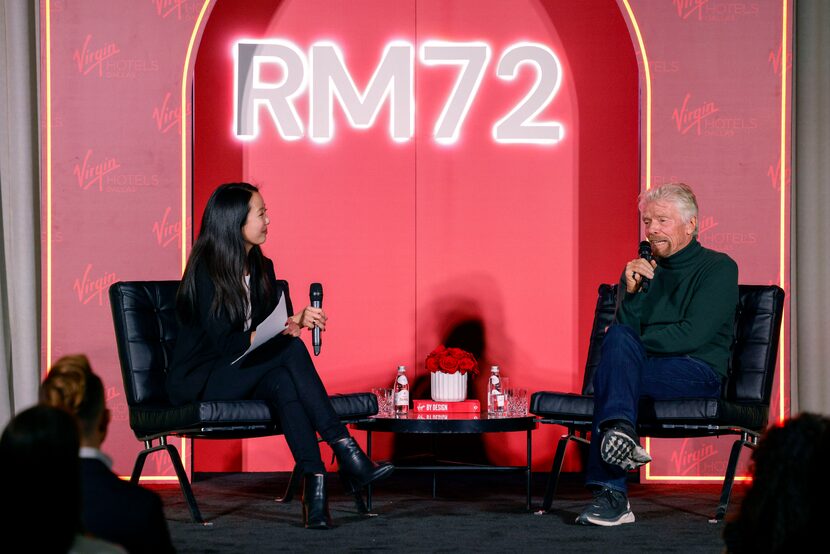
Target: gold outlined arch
187, 70
647, 72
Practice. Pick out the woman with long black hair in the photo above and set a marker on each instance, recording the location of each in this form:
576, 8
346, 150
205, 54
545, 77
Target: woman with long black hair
228, 288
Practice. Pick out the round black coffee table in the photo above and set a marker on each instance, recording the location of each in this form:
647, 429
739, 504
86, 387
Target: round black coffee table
450, 423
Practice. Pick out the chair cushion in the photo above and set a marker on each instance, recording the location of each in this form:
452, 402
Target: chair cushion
355, 405
653, 413
239, 417
561, 405
701, 411
201, 417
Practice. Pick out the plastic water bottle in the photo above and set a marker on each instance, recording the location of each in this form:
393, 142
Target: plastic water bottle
495, 394
401, 392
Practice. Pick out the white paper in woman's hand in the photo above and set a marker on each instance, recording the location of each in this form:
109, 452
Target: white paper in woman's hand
270, 327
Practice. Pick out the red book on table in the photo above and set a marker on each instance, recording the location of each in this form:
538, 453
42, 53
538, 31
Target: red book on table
432, 406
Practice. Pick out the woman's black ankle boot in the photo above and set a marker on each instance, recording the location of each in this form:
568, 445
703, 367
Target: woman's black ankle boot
315, 502
356, 465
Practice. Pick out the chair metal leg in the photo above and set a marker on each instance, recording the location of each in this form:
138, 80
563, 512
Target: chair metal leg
139, 463
181, 475
369, 486
184, 483
555, 470
528, 470
292, 485
728, 479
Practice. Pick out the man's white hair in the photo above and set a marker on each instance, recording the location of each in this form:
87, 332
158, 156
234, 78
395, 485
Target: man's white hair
680, 194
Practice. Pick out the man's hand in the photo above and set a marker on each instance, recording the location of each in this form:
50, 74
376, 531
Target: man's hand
635, 270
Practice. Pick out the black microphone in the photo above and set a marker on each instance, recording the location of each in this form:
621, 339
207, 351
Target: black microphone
315, 293
645, 253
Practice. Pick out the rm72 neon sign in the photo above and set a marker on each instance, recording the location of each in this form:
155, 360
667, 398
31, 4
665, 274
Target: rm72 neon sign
324, 73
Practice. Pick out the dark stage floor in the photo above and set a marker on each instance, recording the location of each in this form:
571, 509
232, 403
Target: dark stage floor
472, 513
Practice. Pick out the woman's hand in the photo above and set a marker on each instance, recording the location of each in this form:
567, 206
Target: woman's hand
292, 328
308, 318
311, 318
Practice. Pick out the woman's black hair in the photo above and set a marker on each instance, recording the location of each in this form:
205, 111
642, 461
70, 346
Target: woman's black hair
220, 251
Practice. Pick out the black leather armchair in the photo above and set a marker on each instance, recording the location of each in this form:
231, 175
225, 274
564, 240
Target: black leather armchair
146, 330
742, 409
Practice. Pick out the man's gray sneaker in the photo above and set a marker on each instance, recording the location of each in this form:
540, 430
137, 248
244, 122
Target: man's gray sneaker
608, 509
619, 448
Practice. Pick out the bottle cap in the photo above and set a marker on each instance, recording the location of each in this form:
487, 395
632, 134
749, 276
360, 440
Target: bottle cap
401, 368
494, 369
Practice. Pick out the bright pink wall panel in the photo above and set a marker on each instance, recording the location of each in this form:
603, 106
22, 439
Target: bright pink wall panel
115, 79
717, 124
410, 239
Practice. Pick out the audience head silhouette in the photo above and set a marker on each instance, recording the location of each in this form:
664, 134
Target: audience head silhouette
786, 502
72, 386
39, 471
114, 510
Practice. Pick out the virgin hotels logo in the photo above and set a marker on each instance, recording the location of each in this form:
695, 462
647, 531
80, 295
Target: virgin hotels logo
91, 57
167, 231
714, 10
775, 60
116, 404
687, 460
91, 287
160, 465
90, 173
702, 119
706, 224
723, 241
166, 8
689, 8
106, 174
168, 115
689, 115
774, 174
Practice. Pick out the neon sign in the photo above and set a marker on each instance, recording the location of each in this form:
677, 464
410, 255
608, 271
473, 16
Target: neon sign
324, 73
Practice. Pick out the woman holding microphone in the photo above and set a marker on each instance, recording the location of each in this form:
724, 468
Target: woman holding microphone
228, 288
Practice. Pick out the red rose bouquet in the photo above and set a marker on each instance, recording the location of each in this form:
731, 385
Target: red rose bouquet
452, 360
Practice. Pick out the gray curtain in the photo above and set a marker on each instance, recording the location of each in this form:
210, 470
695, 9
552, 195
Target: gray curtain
19, 208
811, 263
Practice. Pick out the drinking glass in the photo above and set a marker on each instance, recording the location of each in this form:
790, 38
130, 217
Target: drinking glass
384, 396
517, 402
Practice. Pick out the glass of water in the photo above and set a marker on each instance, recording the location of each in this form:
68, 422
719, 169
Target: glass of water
384, 395
516, 402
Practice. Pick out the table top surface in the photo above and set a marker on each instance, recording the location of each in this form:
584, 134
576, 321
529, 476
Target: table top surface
458, 422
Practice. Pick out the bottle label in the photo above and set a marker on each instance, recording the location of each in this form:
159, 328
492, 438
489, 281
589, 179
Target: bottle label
495, 381
402, 380
402, 398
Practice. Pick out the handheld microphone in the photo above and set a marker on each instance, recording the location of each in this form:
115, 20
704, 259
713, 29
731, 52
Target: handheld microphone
315, 294
645, 252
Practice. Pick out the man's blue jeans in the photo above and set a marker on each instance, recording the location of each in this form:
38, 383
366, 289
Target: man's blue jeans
624, 374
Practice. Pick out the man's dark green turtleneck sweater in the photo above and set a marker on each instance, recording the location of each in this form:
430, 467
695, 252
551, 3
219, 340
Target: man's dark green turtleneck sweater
689, 309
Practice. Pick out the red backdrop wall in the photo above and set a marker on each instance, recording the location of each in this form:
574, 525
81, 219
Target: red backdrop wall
411, 238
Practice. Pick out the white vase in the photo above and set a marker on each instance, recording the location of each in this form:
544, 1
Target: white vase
448, 387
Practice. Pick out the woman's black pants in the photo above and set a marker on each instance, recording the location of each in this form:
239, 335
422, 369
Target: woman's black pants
282, 373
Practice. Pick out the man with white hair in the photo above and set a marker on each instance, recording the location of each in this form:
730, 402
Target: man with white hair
670, 339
